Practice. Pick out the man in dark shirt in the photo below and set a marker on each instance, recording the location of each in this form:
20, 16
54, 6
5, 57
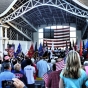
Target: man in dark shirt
24, 63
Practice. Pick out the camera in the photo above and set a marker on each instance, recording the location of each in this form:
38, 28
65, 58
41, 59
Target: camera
8, 84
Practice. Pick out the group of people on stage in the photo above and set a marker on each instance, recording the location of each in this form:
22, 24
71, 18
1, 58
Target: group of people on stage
63, 71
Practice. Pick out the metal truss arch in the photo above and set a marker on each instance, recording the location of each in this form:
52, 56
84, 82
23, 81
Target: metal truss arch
31, 4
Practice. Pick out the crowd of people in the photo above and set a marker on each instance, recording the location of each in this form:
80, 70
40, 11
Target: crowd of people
62, 72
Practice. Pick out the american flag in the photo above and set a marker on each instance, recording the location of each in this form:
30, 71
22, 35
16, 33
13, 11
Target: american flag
59, 37
60, 65
11, 49
45, 78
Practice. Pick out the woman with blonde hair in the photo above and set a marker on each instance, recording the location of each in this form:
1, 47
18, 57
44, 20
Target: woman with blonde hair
72, 76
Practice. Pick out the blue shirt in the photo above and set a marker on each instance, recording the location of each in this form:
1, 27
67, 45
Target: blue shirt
6, 75
74, 83
42, 67
86, 83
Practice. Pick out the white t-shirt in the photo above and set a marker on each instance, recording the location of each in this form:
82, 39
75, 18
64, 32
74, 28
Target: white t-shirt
29, 71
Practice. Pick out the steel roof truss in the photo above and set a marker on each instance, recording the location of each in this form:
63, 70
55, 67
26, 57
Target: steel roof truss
30, 4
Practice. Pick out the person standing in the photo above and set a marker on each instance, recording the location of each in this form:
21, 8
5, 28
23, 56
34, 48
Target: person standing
72, 76
6, 60
42, 67
6, 75
29, 71
53, 78
19, 74
24, 62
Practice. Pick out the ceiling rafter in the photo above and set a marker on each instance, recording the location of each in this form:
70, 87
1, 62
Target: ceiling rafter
19, 31
49, 12
62, 4
28, 23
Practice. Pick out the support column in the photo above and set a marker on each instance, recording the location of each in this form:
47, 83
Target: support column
5, 39
1, 41
5, 32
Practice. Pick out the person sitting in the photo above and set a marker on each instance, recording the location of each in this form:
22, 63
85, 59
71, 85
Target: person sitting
6, 75
72, 76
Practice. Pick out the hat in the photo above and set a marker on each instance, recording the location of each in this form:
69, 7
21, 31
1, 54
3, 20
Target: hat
6, 57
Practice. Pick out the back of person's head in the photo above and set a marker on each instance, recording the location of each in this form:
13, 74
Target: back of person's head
29, 62
73, 64
17, 67
14, 61
40, 57
26, 57
54, 67
49, 60
7, 66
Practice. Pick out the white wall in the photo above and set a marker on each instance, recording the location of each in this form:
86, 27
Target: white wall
24, 44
